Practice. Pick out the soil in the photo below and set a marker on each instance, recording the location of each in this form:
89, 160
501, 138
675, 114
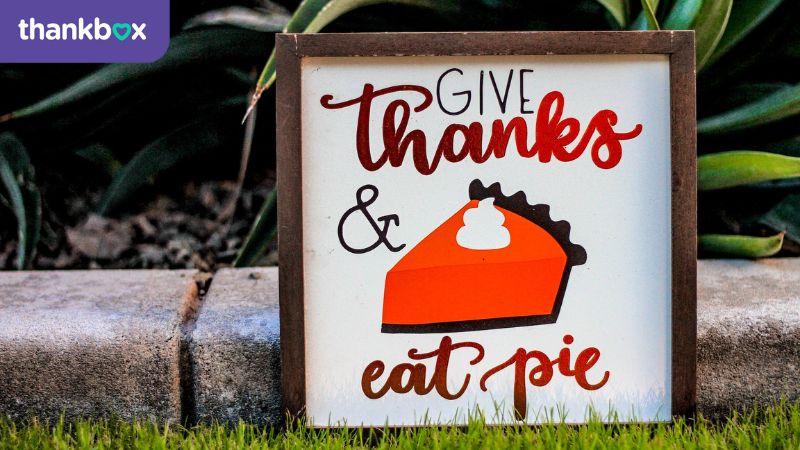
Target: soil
174, 227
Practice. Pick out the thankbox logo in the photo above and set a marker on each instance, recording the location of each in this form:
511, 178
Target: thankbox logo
81, 29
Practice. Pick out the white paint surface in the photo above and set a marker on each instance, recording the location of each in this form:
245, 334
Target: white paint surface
483, 228
619, 301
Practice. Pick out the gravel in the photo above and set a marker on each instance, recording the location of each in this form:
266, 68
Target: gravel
189, 227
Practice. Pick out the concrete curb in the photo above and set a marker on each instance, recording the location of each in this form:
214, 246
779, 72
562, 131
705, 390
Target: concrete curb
146, 344
93, 343
748, 327
235, 349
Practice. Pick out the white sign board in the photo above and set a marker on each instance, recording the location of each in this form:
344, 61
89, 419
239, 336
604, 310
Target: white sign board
486, 233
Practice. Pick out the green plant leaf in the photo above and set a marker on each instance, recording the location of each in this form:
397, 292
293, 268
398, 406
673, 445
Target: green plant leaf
737, 95
683, 15
101, 156
784, 145
740, 246
164, 153
261, 235
202, 46
779, 105
16, 174
257, 19
618, 10
709, 28
642, 21
649, 11
785, 216
745, 16
142, 110
737, 168
313, 15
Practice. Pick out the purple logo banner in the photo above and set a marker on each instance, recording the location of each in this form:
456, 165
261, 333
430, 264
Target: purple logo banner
83, 31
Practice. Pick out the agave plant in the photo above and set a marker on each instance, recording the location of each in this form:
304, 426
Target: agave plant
747, 143
135, 122
157, 116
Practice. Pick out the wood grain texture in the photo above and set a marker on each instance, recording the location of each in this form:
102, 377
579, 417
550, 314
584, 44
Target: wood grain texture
290, 224
684, 225
679, 45
487, 43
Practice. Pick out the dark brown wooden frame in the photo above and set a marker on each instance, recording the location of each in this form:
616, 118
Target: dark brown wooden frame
679, 45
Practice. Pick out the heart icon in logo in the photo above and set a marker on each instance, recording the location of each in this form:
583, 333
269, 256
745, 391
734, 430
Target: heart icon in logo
121, 30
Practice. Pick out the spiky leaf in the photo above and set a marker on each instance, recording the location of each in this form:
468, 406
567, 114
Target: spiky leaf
16, 174
618, 10
164, 153
266, 20
785, 216
740, 246
737, 168
779, 105
642, 22
313, 15
709, 28
683, 15
261, 234
745, 16
649, 11
204, 46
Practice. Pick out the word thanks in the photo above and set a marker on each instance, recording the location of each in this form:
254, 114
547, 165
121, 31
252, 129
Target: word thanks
553, 133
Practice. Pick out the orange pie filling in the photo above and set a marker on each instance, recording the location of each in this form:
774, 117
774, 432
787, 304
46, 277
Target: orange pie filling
439, 281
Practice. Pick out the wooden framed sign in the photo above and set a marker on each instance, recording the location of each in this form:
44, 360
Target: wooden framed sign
493, 222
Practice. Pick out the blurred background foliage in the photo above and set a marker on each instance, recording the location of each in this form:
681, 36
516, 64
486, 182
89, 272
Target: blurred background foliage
131, 131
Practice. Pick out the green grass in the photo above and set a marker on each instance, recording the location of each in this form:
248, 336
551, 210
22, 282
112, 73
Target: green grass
776, 427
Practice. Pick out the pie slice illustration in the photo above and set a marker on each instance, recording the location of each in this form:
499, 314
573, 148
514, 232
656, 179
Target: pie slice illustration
498, 262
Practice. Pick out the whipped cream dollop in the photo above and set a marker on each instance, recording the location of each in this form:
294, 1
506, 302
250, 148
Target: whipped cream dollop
483, 228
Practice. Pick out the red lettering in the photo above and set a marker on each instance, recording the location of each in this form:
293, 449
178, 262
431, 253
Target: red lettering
416, 379
373, 371
553, 134
542, 372
364, 101
405, 377
585, 361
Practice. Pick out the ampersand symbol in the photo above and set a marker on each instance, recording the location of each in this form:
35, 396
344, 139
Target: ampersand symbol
361, 205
